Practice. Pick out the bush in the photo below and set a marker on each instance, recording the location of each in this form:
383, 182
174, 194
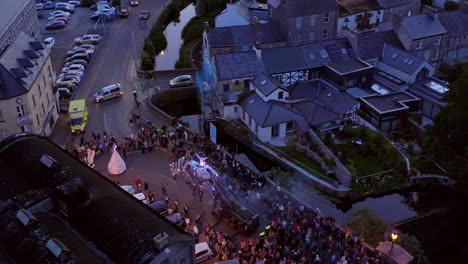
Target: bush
159, 40
149, 47
147, 61
451, 5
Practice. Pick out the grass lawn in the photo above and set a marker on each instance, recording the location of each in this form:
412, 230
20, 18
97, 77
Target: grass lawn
310, 165
363, 165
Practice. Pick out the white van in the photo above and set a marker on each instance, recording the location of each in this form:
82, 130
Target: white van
111, 91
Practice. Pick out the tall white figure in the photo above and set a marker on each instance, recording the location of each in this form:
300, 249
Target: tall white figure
116, 164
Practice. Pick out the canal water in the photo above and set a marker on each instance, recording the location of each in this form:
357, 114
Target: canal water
167, 59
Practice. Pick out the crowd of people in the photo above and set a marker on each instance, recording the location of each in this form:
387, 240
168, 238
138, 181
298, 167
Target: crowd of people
295, 234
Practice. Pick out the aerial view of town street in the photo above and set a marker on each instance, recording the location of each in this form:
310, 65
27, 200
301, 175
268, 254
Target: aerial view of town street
233, 131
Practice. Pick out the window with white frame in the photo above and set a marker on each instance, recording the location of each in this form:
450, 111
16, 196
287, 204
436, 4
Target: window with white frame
418, 44
313, 20
326, 19
438, 40
311, 36
298, 22
435, 54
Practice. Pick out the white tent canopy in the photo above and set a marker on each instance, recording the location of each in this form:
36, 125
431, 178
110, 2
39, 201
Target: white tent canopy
116, 164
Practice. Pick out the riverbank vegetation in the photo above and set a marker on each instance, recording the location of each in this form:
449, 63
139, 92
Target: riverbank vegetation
190, 52
156, 40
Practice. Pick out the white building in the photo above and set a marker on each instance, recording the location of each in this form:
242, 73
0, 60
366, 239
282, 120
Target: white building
17, 16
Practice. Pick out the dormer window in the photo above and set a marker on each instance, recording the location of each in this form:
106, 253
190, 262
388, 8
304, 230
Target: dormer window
298, 22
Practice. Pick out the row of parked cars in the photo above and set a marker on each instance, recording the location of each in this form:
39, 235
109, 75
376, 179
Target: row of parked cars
60, 17
76, 62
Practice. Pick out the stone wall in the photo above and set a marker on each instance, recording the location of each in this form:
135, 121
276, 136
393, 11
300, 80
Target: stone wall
341, 172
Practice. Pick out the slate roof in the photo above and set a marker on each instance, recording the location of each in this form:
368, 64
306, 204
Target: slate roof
237, 65
230, 17
231, 36
344, 67
456, 22
422, 26
369, 45
401, 60
266, 84
323, 95
316, 114
301, 8
392, 3
9, 86
270, 113
269, 33
117, 223
294, 58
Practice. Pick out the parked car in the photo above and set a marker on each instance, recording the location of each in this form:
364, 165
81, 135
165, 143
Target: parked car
66, 84
49, 5
88, 39
142, 197
144, 15
86, 46
73, 67
81, 56
76, 73
65, 7
180, 81
68, 78
203, 252
56, 12
39, 6
105, 14
49, 42
64, 19
56, 24
133, 2
77, 61
177, 219
124, 13
75, 3
79, 50
52, 17
158, 206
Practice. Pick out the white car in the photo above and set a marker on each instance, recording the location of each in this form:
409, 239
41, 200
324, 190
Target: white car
142, 197
76, 73
128, 188
52, 17
39, 6
49, 42
73, 67
59, 12
203, 252
88, 39
75, 3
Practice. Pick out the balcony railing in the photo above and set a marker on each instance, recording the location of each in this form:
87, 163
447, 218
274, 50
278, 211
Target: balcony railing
22, 119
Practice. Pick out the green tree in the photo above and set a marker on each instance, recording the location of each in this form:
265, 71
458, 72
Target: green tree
411, 244
147, 61
447, 139
368, 226
149, 47
159, 40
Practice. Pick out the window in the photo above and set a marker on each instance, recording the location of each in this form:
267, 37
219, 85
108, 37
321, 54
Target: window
235, 109
246, 85
390, 10
325, 34
256, 128
43, 109
39, 89
2, 119
49, 70
298, 38
326, 19
289, 126
236, 82
418, 44
311, 36
21, 110
226, 88
48, 100
438, 40
298, 22
44, 81
275, 131
38, 120
34, 100
313, 20
435, 54
280, 95
250, 121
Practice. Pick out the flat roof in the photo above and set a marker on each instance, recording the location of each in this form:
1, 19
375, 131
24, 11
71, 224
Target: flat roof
10, 9
389, 102
348, 66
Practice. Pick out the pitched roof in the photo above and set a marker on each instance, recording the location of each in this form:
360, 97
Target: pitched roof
269, 113
230, 17
322, 94
369, 45
9, 85
422, 26
400, 59
268, 33
294, 58
348, 7
231, 36
316, 114
455, 22
301, 8
237, 65
117, 223
392, 3
266, 84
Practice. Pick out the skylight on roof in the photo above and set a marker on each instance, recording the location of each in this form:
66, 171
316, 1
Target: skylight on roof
323, 53
410, 62
263, 82
436, 87
394, 56
343, 51
406, 60
311, 56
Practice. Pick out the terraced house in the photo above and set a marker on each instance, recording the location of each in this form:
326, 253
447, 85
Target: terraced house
27, 101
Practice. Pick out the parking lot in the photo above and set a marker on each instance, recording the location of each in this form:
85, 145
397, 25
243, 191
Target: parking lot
78, 25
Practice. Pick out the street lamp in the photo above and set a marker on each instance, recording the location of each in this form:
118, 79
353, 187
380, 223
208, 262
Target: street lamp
394, 237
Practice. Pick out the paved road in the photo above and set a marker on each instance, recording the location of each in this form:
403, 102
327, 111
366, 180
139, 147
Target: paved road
114, 62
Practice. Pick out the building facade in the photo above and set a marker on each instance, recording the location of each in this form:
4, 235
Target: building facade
27, 99
15, 17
